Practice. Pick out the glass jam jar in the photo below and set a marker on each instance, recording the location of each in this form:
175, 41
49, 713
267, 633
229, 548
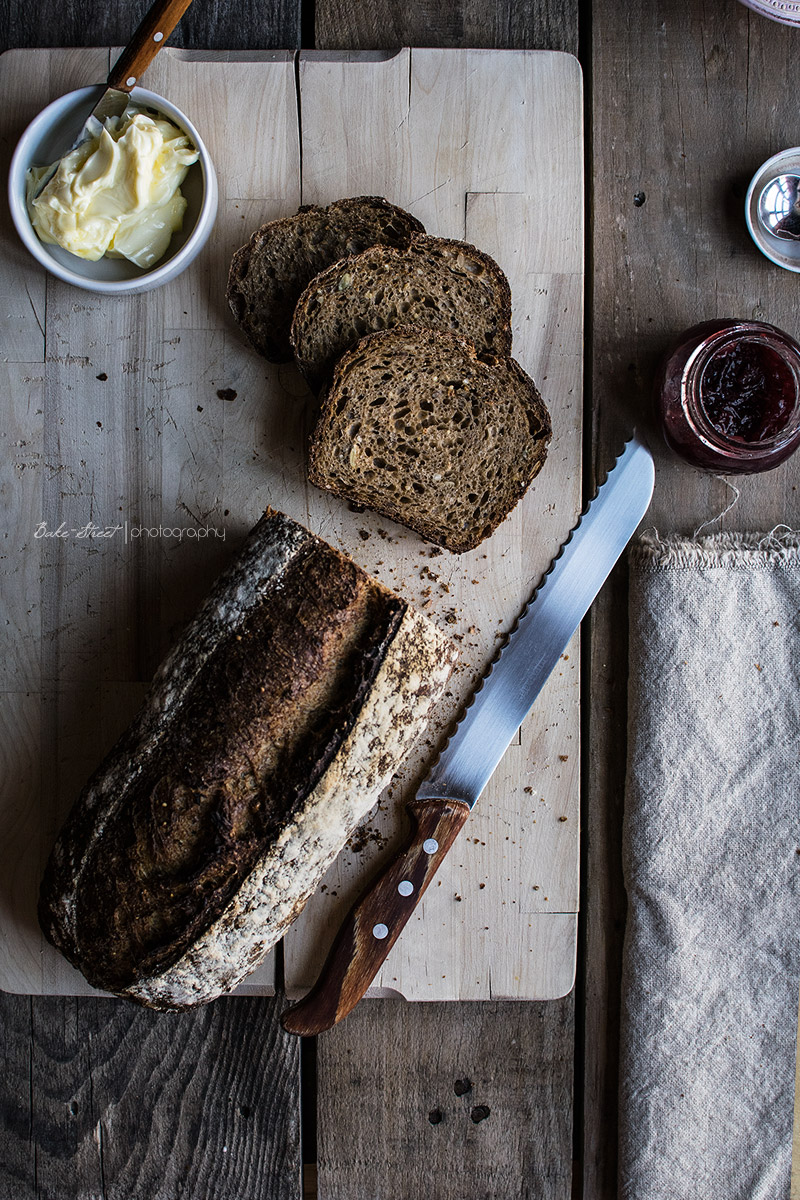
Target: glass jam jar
728, 396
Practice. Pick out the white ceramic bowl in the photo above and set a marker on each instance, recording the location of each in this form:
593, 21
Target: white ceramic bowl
49, 136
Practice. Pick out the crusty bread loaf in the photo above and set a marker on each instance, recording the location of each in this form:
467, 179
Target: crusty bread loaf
269, 273
433, 282
268, 733
416, 427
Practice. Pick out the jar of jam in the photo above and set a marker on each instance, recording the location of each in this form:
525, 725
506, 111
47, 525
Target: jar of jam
728, 396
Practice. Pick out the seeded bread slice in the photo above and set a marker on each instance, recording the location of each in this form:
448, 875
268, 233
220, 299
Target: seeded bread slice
268, 733
433, 282
269, 273
415, 426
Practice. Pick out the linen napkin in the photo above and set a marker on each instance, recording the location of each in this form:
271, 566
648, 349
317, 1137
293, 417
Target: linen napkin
711, 858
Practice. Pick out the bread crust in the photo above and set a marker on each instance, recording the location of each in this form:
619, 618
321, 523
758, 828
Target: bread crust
270, 271
385, 286
226, 933
411, 679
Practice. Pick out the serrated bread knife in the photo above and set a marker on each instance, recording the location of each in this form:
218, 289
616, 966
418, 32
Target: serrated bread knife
492, 717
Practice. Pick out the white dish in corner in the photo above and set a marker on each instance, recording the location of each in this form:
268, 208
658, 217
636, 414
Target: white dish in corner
49, 136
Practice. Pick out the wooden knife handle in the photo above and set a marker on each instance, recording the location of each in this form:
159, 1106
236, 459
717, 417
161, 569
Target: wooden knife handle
146, 42
377, 919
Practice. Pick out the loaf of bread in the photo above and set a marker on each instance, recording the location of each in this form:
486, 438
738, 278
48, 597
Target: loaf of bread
415, 426
433, 282
268, 733
269, 273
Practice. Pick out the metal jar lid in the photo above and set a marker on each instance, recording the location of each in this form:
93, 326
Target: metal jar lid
785, 253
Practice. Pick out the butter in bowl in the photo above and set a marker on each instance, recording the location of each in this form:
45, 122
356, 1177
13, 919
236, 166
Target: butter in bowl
123, 212
116, 194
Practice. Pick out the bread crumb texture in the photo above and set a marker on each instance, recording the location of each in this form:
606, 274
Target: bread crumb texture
268, 274
415, 426
432, 282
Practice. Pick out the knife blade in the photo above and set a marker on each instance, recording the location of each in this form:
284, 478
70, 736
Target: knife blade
157, 25
469, 756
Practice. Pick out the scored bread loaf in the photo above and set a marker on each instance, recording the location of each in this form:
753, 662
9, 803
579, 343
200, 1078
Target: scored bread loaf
416, 427
268, 733
268, 274
433, 282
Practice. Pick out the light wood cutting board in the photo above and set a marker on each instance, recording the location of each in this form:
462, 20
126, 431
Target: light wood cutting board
151, 413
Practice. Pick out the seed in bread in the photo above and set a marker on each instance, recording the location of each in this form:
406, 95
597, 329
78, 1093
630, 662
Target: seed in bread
268, 733
434, 282
268, 274
416, 427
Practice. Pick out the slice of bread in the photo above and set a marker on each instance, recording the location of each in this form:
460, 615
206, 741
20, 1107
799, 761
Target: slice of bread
415, 426
433, 282
268, 274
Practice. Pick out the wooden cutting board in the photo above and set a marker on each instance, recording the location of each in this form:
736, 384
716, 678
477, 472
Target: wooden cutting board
149, 416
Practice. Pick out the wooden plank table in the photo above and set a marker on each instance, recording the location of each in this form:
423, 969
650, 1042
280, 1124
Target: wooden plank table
469, 1101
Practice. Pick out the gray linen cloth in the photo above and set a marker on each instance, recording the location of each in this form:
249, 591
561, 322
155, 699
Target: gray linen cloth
712, 869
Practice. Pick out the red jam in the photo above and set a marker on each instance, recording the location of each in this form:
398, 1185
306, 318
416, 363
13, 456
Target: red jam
728, 396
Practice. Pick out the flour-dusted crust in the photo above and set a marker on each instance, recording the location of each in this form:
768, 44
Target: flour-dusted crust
410, 681
262, 562
123, 898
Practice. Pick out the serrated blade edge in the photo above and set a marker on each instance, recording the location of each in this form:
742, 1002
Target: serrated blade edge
522, 666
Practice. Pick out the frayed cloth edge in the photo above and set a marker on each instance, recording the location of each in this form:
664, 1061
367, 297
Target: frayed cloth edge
779, 547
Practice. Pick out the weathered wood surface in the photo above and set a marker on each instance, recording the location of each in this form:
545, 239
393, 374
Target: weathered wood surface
674, 147
546, 26
103, 1099
479, 144
665, 81
447, 1101
99, 1099
208, 24
440, 123
118, 1101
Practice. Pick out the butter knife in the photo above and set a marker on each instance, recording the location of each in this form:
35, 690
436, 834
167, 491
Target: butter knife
153, 32
490, 720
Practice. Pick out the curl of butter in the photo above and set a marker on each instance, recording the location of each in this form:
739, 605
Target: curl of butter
117, 194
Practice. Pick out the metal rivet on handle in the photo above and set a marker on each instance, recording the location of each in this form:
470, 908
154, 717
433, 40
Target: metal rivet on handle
430, 845
380, 931
158, 37
130, 82
405, 888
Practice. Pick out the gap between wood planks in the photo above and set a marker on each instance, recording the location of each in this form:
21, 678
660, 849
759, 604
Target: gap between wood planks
584, 52
308, 1046
308, 1091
